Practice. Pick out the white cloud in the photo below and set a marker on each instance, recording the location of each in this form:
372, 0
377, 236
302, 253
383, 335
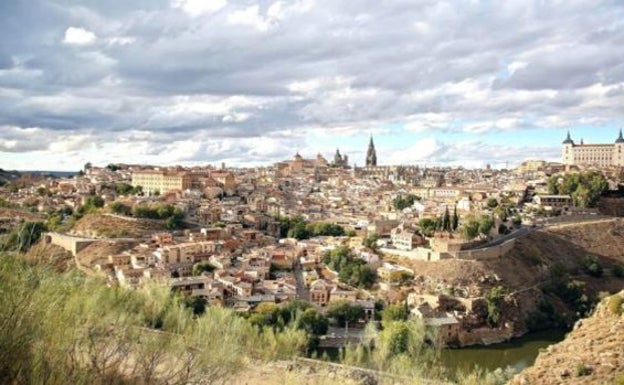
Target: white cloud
78, 36
250, 16
196, 8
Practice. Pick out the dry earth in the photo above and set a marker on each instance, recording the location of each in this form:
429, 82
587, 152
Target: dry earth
97, 225
593, 353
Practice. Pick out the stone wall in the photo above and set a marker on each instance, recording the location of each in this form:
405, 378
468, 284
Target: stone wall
488, 252
67, 242
484, 336
417, 254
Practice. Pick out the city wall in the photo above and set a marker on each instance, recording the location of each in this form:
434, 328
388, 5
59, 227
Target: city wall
424, 254
67, 242
487, 252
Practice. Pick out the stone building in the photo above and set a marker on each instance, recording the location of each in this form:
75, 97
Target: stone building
601, 155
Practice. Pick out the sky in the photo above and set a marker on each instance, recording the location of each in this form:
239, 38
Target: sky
197, 82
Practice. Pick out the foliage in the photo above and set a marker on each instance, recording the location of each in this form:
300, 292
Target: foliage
22, 237
371, 242
491, 203
585, 188
544, 317
592, 267
201, 267
120, 208
581, 370
615, 304
494, 300
470, 227
399, 349
172, 215
351, 270
122, 188
397, 312
617, 271
312, 322
454, 220
343, 312
427, 226
401, 203
569, 291
297, 227
112, 167
110, 339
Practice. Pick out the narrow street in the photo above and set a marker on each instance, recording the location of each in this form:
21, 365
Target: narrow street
302, 290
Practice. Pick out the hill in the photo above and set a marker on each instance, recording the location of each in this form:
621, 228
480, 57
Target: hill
593, 353
115, 226
545, 272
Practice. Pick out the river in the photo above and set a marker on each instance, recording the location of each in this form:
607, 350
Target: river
518, 353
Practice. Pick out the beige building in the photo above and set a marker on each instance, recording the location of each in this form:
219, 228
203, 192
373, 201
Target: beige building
161, 181
601, 155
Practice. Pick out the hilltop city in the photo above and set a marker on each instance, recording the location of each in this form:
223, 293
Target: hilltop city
354, 244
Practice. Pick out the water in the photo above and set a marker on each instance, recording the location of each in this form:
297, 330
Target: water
518, 353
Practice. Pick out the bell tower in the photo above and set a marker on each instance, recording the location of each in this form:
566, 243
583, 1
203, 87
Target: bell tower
371, 154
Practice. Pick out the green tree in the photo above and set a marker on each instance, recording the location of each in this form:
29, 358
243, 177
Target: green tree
592, 266
470, 228
486, 223
343, 312
427, 226
491, 203
201, 267
455, 220
396, 312
22, 237
494, 301
446, 220
120, 208
312, 322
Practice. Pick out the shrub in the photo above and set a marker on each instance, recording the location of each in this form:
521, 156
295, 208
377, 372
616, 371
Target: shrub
582, 370
617, 271
592, 267
615, 304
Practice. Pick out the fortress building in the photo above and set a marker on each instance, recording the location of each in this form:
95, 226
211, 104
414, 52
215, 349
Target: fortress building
601, 155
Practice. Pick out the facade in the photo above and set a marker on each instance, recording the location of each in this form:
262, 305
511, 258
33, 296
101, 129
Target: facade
371, 154
161, 181
601, 155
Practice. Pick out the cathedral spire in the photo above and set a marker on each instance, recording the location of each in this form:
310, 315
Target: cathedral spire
371, 154
620, 138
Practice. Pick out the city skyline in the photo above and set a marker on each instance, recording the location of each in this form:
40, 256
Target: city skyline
251, 83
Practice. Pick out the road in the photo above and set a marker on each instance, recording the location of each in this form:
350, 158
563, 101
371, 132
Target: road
302, 290
521, 232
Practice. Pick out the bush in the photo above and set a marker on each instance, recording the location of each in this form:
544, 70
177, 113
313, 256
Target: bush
592, 267
582, 370
617, 271
615, 304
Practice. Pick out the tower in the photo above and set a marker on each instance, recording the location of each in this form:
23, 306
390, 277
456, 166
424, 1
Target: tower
618, 151
567, 152
371, 155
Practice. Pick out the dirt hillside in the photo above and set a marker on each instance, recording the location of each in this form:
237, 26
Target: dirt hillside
107, 226
593, 353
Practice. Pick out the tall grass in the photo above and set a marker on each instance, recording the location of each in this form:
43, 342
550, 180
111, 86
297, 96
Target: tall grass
65, 328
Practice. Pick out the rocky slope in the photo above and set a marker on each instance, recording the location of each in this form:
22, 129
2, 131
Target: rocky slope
593, 353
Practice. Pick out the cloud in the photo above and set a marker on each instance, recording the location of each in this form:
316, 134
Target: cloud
196, 8
306, 74
78, 36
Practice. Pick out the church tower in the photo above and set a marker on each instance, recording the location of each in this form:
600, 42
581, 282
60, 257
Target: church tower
567, 150
371, 155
